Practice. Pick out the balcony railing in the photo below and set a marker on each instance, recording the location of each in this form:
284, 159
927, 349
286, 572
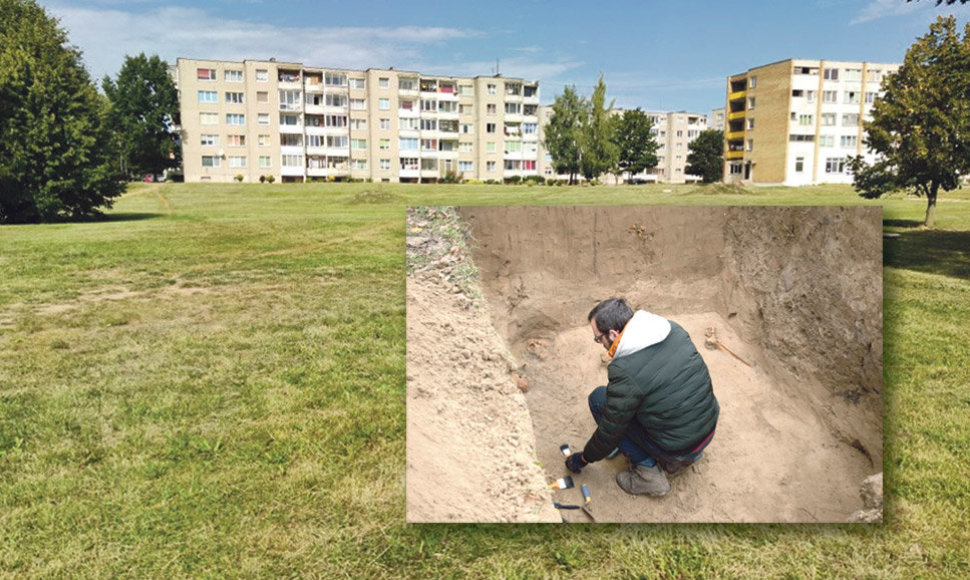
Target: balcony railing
734, 155
736, 95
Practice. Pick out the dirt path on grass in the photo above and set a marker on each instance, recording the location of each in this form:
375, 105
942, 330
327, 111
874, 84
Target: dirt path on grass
794, 292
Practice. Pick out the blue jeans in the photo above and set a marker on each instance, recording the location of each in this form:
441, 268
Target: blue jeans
636, 445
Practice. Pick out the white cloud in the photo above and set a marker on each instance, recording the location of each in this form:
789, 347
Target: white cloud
877, 9
106, 35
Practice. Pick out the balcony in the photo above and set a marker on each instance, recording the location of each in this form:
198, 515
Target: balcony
737, 95
407, 113
292, 170
736, 115
734, 135
292, 129
734, 155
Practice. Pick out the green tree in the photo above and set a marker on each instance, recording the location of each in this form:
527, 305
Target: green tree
705, 156
563, 134
144, 105
637, 148
920, 128
598, 150
54, 158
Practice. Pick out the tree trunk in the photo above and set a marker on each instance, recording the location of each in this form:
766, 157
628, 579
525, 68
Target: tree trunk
931, 205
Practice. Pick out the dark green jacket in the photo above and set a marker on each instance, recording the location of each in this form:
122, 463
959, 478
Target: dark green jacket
666, 387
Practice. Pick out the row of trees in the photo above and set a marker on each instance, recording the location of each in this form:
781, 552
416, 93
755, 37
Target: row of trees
584, 137
66, 149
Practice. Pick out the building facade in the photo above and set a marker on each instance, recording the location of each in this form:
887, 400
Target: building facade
795, 122
250, 120
673, 132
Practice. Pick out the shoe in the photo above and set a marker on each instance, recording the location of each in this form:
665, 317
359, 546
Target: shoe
674, 466
643, 480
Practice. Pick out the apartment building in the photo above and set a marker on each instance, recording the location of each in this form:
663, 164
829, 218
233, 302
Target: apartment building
716, 119
254, 119
673, 132
795, 122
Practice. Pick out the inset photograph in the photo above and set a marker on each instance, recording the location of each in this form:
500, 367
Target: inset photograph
644, 364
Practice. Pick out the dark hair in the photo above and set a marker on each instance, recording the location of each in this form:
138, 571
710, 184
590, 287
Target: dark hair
611, 314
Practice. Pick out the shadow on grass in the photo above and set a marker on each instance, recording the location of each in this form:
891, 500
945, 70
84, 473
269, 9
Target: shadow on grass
125, 217
930, 251
901, 223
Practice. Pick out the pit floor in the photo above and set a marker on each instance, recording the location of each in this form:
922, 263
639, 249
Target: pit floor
773, 458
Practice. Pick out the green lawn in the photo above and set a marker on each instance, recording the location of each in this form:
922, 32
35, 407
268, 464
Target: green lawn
211, 383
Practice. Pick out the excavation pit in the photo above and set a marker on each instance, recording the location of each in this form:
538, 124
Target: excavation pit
793, 294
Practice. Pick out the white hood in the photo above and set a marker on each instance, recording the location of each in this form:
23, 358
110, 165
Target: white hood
643, 330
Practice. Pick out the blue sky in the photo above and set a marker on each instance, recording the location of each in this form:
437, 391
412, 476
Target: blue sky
657, 55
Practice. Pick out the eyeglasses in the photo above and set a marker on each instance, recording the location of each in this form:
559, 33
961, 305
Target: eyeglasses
599, 337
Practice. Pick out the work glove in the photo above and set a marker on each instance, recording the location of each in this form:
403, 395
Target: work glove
576, 463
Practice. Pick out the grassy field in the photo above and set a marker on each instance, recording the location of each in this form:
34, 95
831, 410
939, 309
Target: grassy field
211, 383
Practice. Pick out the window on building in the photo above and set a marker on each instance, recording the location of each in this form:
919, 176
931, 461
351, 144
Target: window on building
735, 169
848, 141
806, 120
851, 97
358, 124
384, 82
489, 127
408, 143
358, 104
530, 128
262, 97
467, 128
751, 102
359, 164
207, 140
795, 138
750, 123
749, 146
262, 75
491, 109
850, 120
799, 164
810, 96
335, 79
429, 124
752, 82
290, 140
835, 165
870, 98
211, 161
209, 118
797, 93
235, 98
385, 164
466, 166
236, 141
384, 104
466, 147
263, 140
826, 140
358, 144
490, 166
490, 89
384, 144
358, 83
831, 74
289, 120
237, 161
293, 161
513, 146
385, 124
265, 162
852, 74
206, 74
208, 97
263, 119
828, 119
234, 76
513, 108
490, 147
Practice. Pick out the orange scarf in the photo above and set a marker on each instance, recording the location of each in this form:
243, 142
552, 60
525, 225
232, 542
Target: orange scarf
616, 343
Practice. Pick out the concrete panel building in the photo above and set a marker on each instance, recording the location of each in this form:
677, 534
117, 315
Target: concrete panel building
795, 122
253, 119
